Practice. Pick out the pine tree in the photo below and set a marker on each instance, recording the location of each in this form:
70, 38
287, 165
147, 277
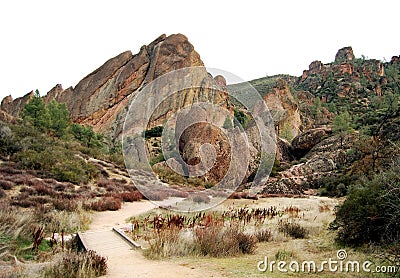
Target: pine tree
36, 113
59, 118
342, 125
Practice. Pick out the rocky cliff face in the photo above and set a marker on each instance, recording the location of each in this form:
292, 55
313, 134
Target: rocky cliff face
14, 107
284, 109
102, 97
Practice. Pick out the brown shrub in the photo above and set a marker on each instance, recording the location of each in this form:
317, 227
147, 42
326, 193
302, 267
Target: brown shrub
65, 204
10, 170
43, 190
129, 187
201, 198
179, 194
21, 179
36, 182
247, 243
263, 235
27, 190
23, 200
293, 229
238, 195
155, 195
59, 187
78, 264
217, 241
243, 195
129, 196
107, 203
39, 200
6, 185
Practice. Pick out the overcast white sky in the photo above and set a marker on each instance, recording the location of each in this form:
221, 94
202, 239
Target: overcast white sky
48, 42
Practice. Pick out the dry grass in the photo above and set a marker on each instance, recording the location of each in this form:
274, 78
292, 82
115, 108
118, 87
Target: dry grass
312, 214
77, 265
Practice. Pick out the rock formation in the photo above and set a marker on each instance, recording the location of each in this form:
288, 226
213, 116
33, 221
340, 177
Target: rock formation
346, 76
14, 107
102, 97
305, 141
284, 109
344, 55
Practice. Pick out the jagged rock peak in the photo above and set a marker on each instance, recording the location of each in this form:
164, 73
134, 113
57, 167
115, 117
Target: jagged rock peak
344, 54
14, 106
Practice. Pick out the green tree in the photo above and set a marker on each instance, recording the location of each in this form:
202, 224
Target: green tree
59, 118
316, 108
342, 125
241, 118
154, 132
86, 135
36, 113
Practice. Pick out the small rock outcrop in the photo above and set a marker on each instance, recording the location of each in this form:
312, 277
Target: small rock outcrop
344, 54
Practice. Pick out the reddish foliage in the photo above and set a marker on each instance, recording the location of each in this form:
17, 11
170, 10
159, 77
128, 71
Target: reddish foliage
129, 196
20, 179
107, 203
67, 205
44, 190
6, 184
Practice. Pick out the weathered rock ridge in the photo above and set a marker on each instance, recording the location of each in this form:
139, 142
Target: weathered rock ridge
101, 98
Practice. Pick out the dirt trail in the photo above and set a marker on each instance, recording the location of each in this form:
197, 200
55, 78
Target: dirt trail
123, 261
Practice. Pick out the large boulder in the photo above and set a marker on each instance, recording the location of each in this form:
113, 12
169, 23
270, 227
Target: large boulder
305, 141
284, 151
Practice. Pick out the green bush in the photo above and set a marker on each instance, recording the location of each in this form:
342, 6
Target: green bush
58, 162
228, 123
8, 144
86, 135
159, 158
371, 214
241, 118
154, 132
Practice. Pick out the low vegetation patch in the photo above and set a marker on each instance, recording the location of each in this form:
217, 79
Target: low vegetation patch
231, 232
73, 264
